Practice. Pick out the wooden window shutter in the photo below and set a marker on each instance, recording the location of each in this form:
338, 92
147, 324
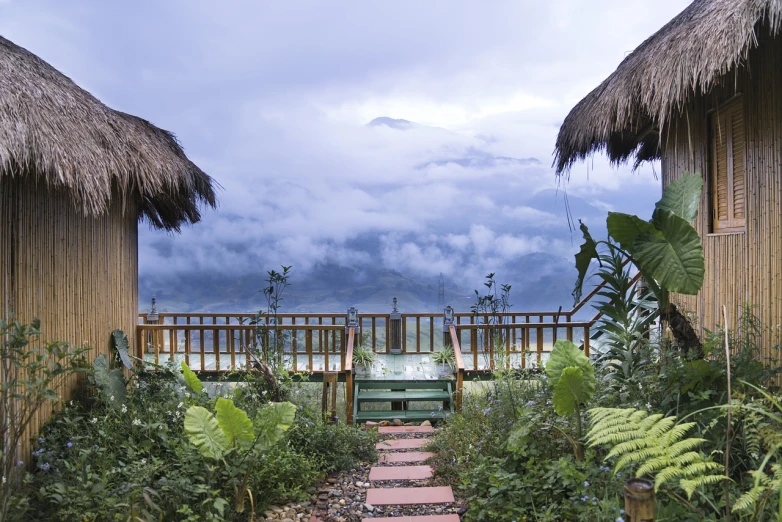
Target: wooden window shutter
728, 168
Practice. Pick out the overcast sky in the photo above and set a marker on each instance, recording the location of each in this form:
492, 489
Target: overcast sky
272, 99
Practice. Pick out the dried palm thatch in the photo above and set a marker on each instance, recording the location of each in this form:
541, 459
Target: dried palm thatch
624, 114
52, 129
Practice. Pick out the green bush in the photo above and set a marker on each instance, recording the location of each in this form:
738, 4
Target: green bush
95, 461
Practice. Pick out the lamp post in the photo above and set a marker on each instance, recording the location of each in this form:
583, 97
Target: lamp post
352, 319
447, 323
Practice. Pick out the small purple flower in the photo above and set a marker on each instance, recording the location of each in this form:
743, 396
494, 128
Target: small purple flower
586, 484
20, 463
69, 445
40, 440
584, 498
45, 467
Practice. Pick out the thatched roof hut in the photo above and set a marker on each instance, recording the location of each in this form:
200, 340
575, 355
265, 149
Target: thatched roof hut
57, 132
704, 95
75, 177
624, 114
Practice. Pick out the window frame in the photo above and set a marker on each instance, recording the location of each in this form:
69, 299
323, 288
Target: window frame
730, 225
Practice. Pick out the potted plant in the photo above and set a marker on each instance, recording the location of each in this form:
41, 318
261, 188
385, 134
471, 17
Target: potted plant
363, 358
445, 360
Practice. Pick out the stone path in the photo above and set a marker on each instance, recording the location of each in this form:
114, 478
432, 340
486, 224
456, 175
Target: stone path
400, 487
384, 492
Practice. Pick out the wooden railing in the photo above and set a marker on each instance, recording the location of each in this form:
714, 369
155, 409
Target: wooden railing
232, 347
349, 375
316, 342
457, 351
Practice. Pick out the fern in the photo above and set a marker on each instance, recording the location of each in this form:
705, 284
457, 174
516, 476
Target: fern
763, 485
656, 444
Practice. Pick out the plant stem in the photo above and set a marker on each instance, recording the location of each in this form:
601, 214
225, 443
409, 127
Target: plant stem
728, 429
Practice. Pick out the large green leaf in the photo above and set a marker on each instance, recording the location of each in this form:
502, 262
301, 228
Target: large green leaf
682, 197
625, 229
110, 381
122, 347
234, 422
191, 379
675, 261
564, 355
572, 390
205, 433
584, 257
272, 421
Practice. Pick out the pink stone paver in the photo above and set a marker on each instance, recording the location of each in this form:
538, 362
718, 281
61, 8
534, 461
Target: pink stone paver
423, 518
395, 444
400, 472
399, 496
410, 456
405, 429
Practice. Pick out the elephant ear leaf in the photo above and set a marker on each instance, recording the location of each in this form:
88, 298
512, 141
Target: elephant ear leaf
236, 425
566, 354
675, 260
205, 433
584, 257
625, 229
682, 197
110, 381
122, 347
191, 379
273, 421
570, 391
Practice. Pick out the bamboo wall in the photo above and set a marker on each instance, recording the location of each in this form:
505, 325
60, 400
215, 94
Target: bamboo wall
77, 274
746, 266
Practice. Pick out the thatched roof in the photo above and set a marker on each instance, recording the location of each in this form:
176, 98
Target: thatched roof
623, 115
52, 129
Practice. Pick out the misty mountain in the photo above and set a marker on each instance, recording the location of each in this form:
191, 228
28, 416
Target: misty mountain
539, 282
392, 123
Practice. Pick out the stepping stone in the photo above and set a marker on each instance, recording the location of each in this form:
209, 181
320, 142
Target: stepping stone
400, 472
424, 518
405, 429
410, 456
396, 444
399, 496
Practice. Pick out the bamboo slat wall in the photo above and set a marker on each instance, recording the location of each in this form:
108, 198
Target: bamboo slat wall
745, 266
78, 275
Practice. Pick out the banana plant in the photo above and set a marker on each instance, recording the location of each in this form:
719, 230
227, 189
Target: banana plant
667, 250
571, 375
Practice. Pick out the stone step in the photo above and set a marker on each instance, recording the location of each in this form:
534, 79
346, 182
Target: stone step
400, 472
406, 496
409, 415
419, 518
398, 444
405, 429
410, 456
389, 396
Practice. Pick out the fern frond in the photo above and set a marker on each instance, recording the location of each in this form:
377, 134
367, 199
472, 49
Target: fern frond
634, 445
684, 446
635, 457
650, 422
690, 485
746, 501
656, 463
672, 432
657, 444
